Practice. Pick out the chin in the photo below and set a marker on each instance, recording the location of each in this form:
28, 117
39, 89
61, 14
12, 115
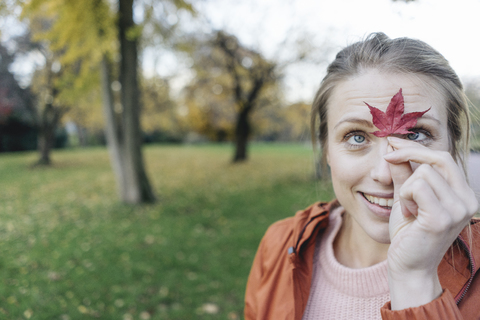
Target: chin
375, 229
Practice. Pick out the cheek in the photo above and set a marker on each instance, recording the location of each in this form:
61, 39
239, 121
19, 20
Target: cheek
348, 169
345, 169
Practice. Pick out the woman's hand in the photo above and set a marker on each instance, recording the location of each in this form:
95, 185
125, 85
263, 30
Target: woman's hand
432, 204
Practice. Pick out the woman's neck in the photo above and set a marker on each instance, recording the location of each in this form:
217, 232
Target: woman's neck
354, 248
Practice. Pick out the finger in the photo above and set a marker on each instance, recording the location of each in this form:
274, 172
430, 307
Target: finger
400, 172
420, 192
456, 202
442, 161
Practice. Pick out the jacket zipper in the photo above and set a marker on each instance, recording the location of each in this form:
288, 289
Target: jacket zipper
463, 292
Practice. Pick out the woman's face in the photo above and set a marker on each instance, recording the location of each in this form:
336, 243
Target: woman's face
361, 177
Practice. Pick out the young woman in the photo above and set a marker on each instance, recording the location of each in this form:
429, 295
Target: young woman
399, 242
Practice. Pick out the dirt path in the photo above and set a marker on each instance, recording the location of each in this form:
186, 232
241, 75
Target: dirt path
474, 172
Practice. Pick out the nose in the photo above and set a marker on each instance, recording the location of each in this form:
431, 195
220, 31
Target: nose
380, 171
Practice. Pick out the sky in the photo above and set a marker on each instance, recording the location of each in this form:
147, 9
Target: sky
451, 27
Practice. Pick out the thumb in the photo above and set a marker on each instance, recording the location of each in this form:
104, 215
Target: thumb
400, 173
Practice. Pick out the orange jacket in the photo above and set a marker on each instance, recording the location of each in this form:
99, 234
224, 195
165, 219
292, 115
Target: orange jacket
279, 283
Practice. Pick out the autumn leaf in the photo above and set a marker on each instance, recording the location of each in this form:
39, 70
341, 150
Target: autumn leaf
394, 121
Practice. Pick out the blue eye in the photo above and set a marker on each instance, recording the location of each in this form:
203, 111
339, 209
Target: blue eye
356, 139
359, 139
416, 136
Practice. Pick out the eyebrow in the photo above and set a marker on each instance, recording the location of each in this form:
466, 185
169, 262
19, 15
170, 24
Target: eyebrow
363, 122
427, 116
368, 124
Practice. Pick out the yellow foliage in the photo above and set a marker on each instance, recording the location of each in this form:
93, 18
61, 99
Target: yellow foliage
78, 34
87, 112
75, 35
159, 111
211, 109
80, 29
290, 123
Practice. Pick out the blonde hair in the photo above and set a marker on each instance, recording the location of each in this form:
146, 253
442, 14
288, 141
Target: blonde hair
401, 55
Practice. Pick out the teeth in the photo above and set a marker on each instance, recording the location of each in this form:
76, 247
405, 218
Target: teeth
384, 202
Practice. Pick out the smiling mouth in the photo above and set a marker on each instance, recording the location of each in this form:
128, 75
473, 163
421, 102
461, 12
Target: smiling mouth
386, 203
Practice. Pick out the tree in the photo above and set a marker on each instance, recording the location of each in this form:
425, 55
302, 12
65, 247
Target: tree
49, 109
212, 109
125, 146
210, 106
93, 34
250, 74
160, 114
237, 76
43, 108
59, 81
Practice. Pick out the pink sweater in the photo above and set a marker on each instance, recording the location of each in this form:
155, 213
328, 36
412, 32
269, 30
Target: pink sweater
339, 292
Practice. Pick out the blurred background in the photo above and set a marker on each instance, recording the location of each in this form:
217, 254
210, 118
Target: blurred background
145, 146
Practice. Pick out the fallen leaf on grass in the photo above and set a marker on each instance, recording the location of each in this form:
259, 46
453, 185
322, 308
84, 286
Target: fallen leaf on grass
210, 308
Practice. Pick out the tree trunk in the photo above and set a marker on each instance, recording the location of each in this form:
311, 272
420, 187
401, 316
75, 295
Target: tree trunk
82, 136
136, 186
112, 130
47, 123
242, 133
46, 139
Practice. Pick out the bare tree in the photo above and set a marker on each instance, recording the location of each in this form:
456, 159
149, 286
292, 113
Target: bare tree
250, 73
122, 128
242, 76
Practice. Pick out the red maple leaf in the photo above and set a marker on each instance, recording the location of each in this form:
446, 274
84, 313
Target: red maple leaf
394, 121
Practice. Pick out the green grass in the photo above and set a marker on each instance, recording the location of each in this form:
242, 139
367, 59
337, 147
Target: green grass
70, 250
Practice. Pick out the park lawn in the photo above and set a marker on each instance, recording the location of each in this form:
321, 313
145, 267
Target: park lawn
70, 250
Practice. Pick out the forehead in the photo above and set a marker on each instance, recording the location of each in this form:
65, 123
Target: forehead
377, 89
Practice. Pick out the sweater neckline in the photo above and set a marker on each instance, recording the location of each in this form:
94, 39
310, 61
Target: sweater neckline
365, 282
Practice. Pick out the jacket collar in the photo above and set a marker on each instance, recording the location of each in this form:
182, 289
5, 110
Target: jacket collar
468, 234
468, 244
306, 226
308, 222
